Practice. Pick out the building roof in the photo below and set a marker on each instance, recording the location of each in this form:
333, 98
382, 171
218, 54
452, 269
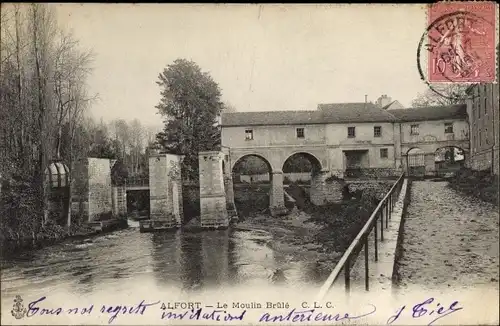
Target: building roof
343, 113
270, 118
354, 112
458, 111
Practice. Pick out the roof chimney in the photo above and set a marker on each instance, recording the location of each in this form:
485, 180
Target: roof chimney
366, 100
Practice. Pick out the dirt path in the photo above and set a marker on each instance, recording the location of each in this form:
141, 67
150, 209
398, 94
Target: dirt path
450, 240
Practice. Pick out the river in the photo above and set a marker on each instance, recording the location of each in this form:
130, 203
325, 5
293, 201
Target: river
181, 260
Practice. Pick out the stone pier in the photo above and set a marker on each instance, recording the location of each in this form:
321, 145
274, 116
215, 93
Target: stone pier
229, 188
91, 192
318, 188
277, 196
430, 164
324, 192
213, 210
165, 182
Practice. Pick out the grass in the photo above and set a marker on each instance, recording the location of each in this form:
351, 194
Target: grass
480, 184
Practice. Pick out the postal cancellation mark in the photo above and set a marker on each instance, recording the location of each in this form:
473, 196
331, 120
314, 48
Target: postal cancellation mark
460, 42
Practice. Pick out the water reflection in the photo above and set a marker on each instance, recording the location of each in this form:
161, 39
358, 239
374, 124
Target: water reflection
183, 260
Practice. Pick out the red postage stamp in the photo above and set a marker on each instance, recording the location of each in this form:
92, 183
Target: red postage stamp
461, 42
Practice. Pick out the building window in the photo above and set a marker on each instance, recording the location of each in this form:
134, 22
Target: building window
485, 100
351, 132
414, 130
248, 134
384, 153
377, 131
486, 140
448, 128
300, 132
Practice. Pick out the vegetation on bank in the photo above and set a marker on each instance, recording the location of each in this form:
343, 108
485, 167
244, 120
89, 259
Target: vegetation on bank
480, 184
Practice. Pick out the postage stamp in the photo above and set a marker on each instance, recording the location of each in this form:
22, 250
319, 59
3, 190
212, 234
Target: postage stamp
460, 42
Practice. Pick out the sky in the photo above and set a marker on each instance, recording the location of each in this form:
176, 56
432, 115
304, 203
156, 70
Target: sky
264, 57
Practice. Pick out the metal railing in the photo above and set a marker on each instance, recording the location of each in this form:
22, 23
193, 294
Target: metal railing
381, 215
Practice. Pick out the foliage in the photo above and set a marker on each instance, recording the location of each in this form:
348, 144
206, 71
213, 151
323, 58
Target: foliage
480, 184
443, 95
191, 104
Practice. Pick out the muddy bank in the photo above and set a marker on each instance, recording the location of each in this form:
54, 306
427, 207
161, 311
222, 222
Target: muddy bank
315, 234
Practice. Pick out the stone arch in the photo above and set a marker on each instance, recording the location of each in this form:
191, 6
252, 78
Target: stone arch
243, 156
449, 159
252, 192
416, 148
313, 159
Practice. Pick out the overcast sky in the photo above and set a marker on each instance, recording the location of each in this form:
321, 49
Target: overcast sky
267, 57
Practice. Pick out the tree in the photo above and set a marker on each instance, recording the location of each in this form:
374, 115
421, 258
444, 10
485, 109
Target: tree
444, 95
190, 104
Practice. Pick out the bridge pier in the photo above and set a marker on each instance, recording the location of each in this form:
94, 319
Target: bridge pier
213, 209
277, 195
165, 196
230, 205
323, 192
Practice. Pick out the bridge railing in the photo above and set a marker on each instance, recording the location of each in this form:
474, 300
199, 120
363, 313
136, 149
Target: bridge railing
378, 219
137, 181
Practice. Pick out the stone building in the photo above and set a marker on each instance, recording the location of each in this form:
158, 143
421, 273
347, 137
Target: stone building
344, 136
483, 111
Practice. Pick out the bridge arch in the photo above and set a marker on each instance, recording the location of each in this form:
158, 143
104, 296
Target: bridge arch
313, 159
241, 157
252, 176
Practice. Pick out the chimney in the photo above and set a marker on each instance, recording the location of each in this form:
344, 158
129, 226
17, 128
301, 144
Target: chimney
366, 100
383, 100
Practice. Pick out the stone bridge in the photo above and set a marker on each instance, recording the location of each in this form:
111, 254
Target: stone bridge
275, 158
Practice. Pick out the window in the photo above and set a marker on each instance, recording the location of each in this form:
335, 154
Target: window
377, 131
414, 130
486, 139
384, 153
300, 132
448, 128
248, 134
351, 132
485, 100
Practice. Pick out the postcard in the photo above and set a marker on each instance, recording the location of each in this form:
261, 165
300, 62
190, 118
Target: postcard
249, 164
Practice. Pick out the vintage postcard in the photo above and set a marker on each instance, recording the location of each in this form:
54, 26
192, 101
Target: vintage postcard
249, 164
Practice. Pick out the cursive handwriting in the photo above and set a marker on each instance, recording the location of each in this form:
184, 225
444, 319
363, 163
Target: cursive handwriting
425, 308
310, 315
112, 310
199, 314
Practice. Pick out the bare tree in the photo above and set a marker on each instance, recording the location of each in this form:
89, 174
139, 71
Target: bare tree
448, 94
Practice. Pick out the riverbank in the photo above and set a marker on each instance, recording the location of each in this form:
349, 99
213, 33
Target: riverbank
49, 234
319, 234
479, 184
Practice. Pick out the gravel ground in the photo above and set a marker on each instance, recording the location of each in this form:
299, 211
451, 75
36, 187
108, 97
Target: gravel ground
450, 240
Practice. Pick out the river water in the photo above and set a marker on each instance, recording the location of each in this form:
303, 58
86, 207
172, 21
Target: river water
181, 260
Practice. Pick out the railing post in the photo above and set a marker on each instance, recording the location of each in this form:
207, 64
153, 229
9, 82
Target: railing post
347, 276
367, 273
381, 226
387, 217
375, 235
